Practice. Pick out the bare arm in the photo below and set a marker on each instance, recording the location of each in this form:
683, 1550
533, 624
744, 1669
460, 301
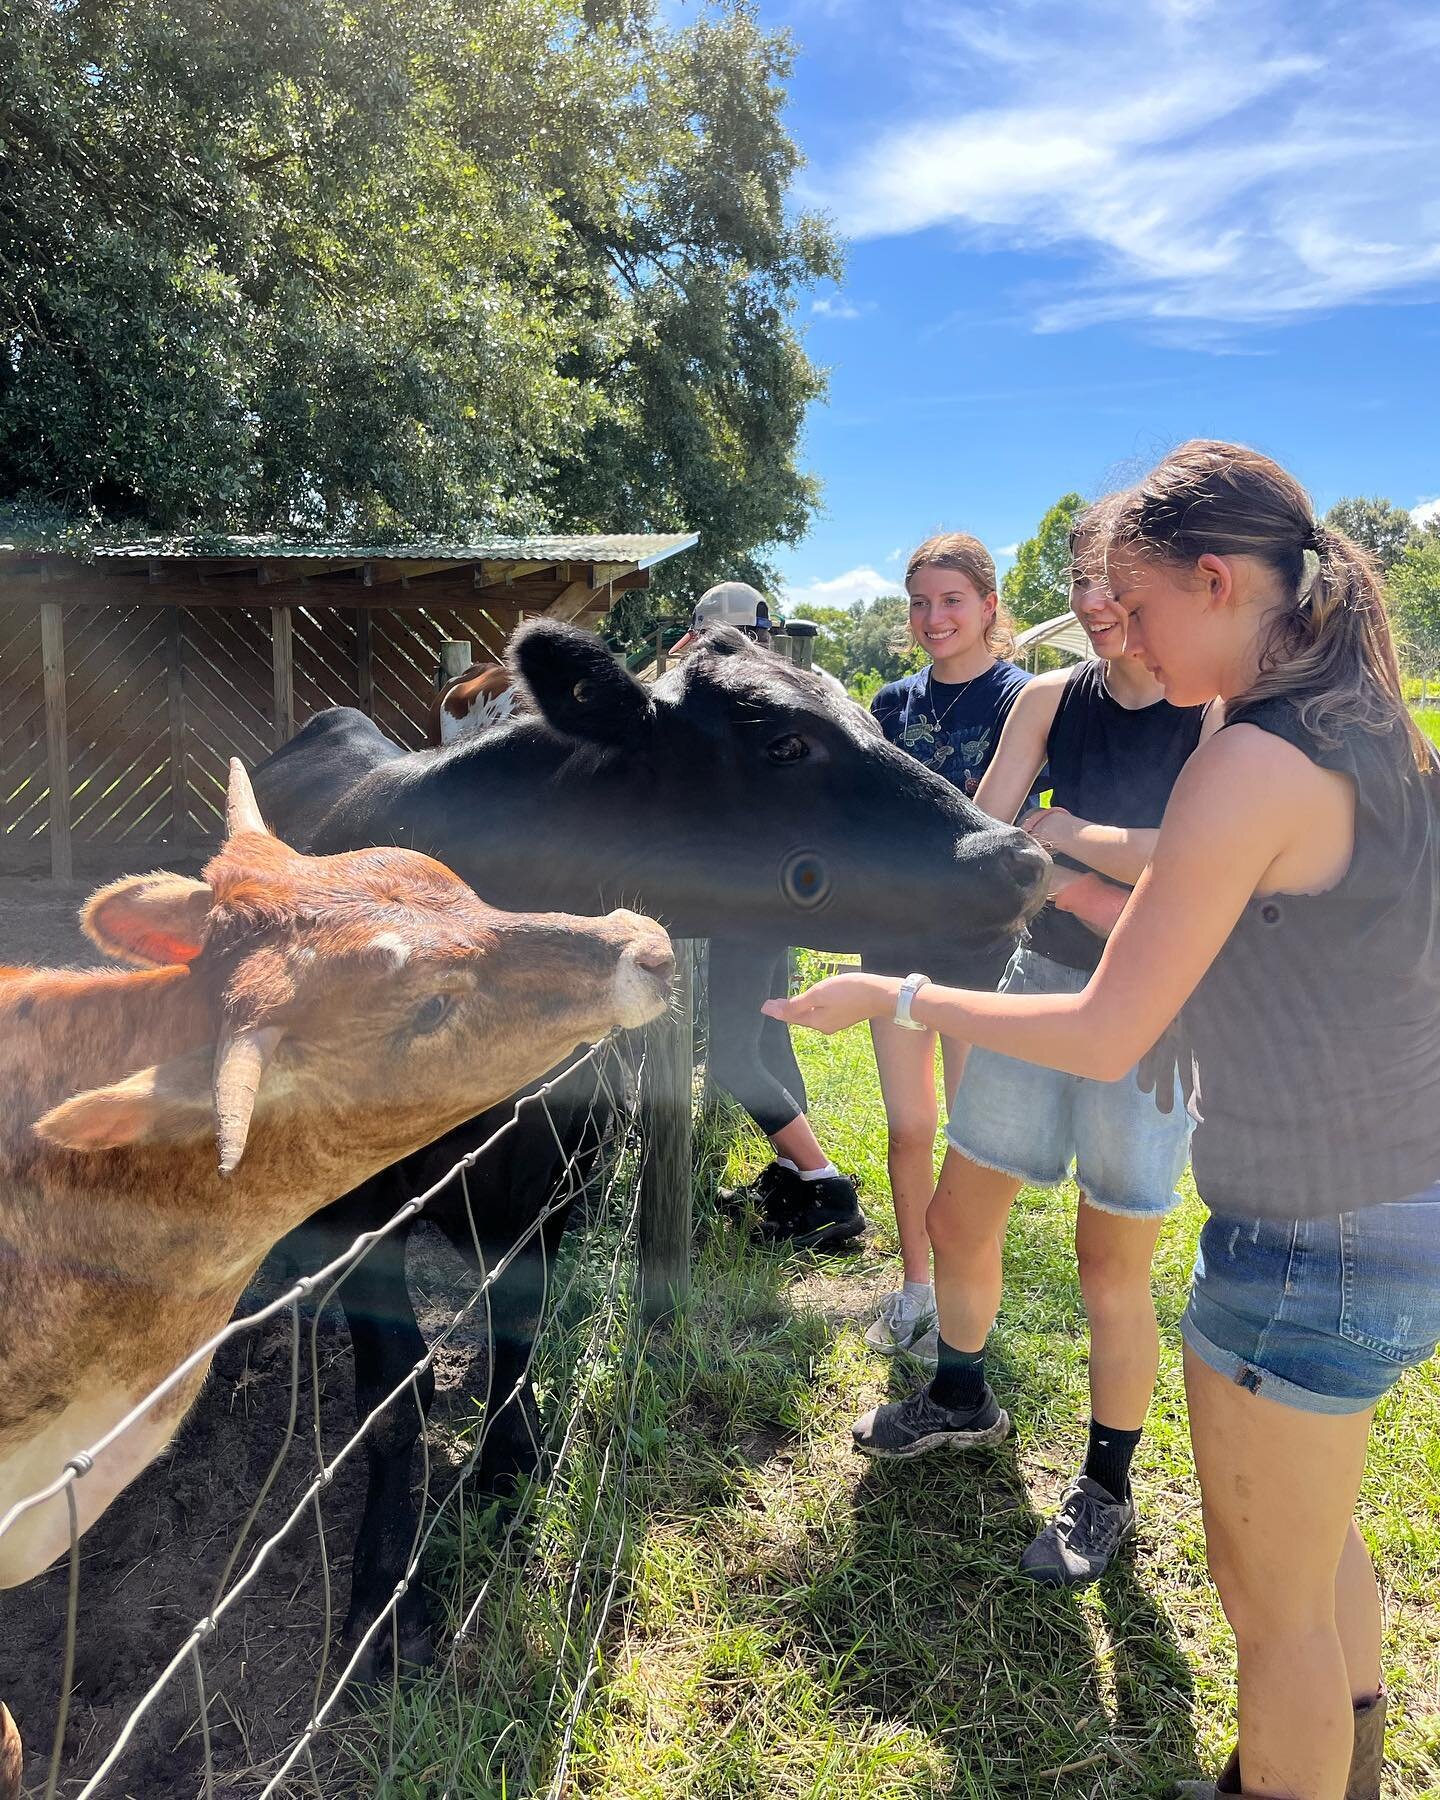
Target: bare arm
1240, 804
1020, 755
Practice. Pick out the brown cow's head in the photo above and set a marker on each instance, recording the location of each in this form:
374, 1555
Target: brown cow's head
368, 993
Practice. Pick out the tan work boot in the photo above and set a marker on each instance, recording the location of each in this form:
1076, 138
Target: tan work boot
1367, 1760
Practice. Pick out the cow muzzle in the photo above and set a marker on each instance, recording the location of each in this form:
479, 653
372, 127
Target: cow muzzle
644, 971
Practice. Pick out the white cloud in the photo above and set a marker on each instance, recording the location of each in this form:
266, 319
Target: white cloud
838, 309
1008, 550
1425, 512
842, 590
1206, 161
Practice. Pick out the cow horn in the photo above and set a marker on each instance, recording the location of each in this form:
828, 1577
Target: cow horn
241, 811
240, 1061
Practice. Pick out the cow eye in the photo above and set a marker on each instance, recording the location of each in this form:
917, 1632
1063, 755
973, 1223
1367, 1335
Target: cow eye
432, 1015
788, 749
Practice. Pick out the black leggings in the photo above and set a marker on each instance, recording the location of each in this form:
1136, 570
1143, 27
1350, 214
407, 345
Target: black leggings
750, 1054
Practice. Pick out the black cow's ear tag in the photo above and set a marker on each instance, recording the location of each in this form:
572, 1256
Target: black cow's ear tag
577, 686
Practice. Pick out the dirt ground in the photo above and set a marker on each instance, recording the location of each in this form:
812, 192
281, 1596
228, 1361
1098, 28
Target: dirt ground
150, 1567
38, 922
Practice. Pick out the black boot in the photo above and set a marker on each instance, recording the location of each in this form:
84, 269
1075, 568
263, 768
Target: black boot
812, 1215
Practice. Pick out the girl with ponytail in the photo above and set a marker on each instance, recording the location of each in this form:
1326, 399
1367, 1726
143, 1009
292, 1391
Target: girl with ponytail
1292, 909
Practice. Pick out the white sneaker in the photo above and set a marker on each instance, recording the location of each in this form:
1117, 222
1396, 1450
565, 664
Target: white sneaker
905, 1324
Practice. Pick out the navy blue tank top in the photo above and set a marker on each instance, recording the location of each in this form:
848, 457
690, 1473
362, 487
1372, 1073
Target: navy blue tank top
1112, 765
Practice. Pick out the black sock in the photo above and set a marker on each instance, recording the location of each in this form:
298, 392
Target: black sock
1108, 1458
959, 1383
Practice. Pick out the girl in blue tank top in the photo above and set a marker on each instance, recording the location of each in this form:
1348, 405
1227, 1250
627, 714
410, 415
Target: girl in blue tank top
948, 716
1292, 909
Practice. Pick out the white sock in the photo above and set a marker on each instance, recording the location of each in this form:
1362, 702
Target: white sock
784, 1162
818, 1174
921, 1292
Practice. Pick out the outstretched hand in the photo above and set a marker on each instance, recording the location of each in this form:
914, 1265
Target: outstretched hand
836, 1002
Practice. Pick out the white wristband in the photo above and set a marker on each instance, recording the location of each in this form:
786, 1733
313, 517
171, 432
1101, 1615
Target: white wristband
909, 988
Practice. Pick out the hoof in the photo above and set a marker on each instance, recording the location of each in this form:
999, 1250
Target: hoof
376, 1668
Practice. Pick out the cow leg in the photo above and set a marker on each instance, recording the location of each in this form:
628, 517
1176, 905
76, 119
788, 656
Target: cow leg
511, 1450
387, 1343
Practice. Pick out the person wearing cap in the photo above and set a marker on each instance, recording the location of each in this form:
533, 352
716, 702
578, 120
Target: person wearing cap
801, 1197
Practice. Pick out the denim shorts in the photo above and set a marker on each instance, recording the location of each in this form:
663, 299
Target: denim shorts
1035, 1124
1319, 1314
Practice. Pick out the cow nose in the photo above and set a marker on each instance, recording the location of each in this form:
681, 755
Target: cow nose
1025, 862
658, 958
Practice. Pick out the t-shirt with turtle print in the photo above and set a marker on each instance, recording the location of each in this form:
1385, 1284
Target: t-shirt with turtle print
951, 727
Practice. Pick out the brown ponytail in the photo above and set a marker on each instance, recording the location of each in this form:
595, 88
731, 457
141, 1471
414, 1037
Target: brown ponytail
1329, 645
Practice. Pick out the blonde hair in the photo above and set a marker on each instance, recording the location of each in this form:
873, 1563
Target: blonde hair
1329, 646
958, 550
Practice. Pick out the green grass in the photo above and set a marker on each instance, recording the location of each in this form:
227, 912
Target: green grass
1428, 719
794, 1621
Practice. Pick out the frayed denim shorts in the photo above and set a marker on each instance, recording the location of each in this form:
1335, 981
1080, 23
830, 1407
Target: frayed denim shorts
1036, 1124
1320, 1314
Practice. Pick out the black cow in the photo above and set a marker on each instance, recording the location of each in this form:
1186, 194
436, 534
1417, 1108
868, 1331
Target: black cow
737, 795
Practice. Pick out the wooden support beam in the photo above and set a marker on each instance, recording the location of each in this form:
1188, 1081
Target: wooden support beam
572, 602
57, 750
364, 664
282, 641
175, 693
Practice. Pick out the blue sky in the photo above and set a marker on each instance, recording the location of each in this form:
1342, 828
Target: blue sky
1082, 231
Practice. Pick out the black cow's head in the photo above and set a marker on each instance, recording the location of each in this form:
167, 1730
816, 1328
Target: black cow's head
743, 795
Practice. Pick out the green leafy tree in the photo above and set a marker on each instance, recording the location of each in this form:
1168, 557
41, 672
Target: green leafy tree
1037, 585
372, 269
1414, 584
1383, 528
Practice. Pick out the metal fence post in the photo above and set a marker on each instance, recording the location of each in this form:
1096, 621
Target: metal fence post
666, 1178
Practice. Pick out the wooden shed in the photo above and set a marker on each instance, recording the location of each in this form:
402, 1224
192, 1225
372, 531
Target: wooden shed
128, 677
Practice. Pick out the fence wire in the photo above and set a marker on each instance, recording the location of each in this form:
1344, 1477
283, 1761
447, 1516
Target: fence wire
244, 1689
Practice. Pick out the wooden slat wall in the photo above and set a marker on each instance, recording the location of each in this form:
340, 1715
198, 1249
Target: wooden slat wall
156, 699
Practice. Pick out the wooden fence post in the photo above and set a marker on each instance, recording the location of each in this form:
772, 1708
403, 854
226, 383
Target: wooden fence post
283, 641
364, 663
667, 1177
57, 749
456, 656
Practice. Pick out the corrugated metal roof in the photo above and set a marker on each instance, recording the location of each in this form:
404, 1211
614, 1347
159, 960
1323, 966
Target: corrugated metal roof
640, 549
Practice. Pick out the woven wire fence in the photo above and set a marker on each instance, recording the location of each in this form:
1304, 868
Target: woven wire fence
197, 1623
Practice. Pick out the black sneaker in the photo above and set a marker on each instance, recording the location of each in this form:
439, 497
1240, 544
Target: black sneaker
916, 1424
812, 1215
1076, 1547
766, 1193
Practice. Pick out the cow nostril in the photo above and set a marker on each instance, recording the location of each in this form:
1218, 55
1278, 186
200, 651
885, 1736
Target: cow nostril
1025, 861
659, 958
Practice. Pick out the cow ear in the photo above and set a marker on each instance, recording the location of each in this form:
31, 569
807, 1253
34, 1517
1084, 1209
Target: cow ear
577, 686
170, 1103
155, 920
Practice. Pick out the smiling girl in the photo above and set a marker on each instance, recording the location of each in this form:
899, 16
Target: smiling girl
948, 716
1292, 907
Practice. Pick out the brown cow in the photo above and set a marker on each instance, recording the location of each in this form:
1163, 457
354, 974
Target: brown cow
303, 1022
478, 697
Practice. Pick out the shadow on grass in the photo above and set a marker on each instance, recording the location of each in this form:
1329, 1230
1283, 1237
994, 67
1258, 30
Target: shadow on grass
792, 1620
1031, 1690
